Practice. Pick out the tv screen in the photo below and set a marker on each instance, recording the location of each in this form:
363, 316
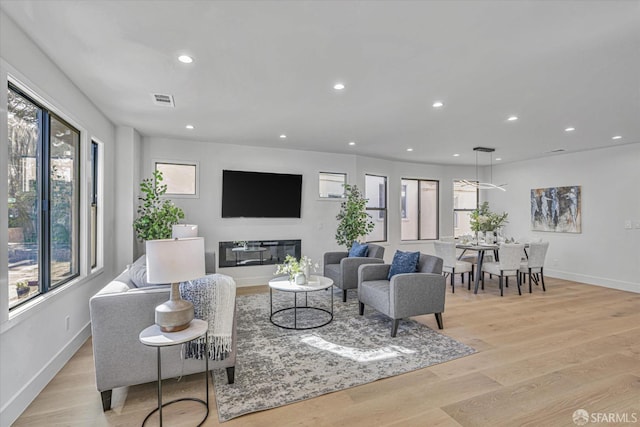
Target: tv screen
260, 195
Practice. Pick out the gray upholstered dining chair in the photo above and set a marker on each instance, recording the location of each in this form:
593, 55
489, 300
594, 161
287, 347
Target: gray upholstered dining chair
404, 295
535, 263
447, 251
343, 269
509, 264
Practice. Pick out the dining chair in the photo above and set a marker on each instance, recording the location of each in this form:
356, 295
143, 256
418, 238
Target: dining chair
508, 264
534, 264
447, 251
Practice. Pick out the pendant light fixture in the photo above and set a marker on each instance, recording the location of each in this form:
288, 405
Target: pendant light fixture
484, 185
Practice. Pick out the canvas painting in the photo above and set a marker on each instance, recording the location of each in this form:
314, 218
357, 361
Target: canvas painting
556, 209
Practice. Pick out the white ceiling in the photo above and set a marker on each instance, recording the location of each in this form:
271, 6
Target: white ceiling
263, 68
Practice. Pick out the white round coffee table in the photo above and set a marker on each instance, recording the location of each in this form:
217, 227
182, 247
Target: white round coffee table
315, 283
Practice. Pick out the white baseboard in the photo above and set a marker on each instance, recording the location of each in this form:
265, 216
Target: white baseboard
242, 282
594, 280
23, 398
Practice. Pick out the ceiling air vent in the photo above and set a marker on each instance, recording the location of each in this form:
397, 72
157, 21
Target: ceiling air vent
163, 100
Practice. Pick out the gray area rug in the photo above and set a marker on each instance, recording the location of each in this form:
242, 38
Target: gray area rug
276, 366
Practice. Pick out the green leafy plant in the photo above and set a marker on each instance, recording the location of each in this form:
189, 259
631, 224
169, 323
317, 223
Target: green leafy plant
354, 221
482, 219
155, 214
292, 266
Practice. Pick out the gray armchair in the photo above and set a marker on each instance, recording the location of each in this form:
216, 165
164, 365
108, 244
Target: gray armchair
405, 295
343, 270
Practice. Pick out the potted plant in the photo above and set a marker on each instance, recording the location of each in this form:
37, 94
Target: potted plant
354, 221
483, 220
22, 288
156, 215
299, 271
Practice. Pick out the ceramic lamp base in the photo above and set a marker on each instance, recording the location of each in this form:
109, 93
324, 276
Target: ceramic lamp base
175, 314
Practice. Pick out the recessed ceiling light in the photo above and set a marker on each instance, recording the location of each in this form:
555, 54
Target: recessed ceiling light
409, 149
283, 136
352, 143
438, 104
512, 118
185, 59
456, 155
498, 159
617, 137
569, 129
190, 127
338, 86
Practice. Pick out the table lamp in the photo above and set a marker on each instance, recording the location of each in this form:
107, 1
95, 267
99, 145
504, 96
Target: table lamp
181, 231
173, 261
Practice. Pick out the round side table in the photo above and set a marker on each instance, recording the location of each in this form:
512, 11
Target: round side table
154, 337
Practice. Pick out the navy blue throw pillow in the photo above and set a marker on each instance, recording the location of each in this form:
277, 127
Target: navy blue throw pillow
359, 250
404, 262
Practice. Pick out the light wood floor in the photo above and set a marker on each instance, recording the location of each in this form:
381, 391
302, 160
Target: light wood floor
540, 357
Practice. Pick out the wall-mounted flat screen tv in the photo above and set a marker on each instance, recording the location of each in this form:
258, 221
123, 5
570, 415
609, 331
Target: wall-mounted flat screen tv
260, 195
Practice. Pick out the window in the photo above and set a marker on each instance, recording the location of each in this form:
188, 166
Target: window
403, 201
419, 200
465, 200
44, 199
95, 153
376, 194
331, 185
180, 178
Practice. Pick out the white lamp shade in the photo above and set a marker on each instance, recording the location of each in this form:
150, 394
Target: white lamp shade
181, 231
175, 260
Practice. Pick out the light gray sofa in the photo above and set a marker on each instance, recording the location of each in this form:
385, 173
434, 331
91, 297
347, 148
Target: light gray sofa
343, 270
119, 311
405, 295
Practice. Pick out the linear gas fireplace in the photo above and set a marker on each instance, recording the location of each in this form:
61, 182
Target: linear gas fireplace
257, 252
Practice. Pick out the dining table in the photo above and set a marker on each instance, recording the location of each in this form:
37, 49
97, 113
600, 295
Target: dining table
480, 248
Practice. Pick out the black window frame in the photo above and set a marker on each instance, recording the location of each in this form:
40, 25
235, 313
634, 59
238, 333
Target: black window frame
382, 199
419, 218
44, 197
456, 210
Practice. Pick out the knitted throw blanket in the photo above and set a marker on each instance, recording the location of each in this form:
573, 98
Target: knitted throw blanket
214, 300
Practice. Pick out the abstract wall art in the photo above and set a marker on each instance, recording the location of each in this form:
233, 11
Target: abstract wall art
557, 209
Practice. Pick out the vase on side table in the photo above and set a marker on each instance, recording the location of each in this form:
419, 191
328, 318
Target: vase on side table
300, 279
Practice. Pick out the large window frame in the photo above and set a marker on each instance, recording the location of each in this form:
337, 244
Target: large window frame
421, 234
378, 209
56, 179
459, 213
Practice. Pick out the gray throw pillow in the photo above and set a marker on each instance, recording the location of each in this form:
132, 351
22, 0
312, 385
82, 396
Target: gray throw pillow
138, 273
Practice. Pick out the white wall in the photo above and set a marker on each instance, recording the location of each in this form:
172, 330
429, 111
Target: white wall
128, 147
34, 344
317, 226
605, 253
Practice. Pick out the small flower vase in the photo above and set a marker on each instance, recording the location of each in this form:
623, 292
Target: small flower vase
300, 279
307, 272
